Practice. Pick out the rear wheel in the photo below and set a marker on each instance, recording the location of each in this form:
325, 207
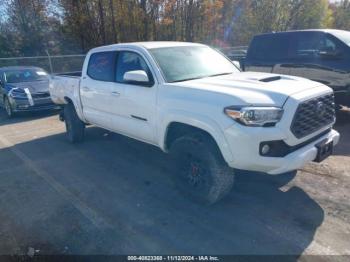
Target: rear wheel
8, 108
75, 128
199, 169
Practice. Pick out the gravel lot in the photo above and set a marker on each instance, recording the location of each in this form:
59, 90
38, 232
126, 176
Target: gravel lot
112, 195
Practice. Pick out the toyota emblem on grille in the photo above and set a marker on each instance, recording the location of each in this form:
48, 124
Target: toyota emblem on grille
320, 109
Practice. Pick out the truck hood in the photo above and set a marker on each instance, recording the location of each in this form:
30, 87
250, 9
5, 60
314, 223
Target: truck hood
33, 87
253, 88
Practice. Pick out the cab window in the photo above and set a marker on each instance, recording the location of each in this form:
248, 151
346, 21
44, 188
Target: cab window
313, 44
102, 66
272, 47
331, 45
308, 44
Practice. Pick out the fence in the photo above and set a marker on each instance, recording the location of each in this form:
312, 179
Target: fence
52, 64
72, 63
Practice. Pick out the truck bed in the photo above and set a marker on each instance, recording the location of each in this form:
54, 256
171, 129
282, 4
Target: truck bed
72, 74
64, 85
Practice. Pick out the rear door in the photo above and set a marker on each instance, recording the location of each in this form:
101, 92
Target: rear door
321, 57
98, 89
267, 52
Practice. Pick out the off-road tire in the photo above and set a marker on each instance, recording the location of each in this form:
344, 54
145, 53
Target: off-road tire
198, 152
75, 128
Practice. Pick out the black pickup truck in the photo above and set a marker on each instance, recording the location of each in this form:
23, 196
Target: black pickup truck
320, 55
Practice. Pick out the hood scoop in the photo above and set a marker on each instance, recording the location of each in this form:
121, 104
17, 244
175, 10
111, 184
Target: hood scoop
270, 79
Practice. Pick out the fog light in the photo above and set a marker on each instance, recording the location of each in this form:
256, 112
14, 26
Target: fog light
265, 149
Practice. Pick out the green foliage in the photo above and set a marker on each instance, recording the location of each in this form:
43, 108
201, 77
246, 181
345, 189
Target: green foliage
342, 15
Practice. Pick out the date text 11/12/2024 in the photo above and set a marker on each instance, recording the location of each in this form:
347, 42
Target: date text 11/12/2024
173, 258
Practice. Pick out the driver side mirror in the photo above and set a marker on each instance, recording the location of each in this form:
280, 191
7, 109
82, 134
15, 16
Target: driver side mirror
137, 77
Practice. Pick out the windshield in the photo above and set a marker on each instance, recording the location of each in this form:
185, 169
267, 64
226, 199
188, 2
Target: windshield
343, 36
191, 62
25, 75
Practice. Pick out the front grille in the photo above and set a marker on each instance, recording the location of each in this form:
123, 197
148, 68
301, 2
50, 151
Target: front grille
48, 104
312, 115
41, 95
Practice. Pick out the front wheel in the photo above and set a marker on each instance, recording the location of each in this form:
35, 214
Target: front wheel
8, 108
75, 128
199, 169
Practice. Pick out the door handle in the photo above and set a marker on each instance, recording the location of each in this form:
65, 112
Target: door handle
86, 89
115, 93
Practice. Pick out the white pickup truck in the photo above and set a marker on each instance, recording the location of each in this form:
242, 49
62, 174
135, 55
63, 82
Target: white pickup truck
191, 101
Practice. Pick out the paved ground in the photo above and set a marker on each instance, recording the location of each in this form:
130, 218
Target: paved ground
112, 195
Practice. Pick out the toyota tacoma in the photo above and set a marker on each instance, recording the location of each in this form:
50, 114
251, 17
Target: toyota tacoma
191, 101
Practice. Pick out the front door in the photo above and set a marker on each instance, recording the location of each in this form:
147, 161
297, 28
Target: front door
134, 111
313, 59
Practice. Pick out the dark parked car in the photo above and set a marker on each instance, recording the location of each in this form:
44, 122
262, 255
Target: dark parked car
320, 55
24, 89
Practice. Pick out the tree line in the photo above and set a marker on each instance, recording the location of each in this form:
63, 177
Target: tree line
30, 27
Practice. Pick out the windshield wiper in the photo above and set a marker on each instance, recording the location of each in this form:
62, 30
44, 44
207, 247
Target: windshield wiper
194, 78
188, 79
221, 74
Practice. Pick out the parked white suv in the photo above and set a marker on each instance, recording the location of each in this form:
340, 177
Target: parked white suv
191, 101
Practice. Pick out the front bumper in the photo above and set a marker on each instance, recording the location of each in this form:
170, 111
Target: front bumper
244, 143
40, 104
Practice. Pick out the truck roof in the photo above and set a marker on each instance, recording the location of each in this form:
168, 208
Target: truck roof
147, 45
305, 30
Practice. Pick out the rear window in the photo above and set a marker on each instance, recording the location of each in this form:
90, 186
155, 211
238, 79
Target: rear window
102, 66
269, 47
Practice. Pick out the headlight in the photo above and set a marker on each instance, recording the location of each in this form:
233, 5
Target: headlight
16, 92
255, 116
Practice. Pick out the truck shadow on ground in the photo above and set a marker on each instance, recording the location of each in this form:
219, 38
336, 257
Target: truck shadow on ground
127, 184
24, 116
343, 127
